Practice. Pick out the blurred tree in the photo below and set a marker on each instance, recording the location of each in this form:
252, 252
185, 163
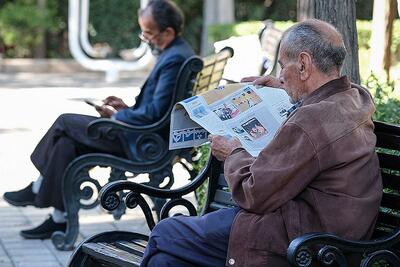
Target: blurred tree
381, 39
193, 10
341, 14
114, 24
21, 22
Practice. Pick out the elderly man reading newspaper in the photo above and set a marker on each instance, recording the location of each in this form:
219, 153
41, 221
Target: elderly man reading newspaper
318, 173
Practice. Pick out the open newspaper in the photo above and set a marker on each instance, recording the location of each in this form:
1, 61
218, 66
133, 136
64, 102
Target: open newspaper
251, 113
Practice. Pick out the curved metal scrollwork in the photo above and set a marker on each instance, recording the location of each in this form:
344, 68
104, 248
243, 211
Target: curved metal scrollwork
88, 192
177, 202
303, 257
150, 147
111, 201
382, 258
110, 133
330, 256
134, 199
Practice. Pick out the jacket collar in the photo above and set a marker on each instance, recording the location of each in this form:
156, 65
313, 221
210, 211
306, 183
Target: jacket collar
176, 41
332, 87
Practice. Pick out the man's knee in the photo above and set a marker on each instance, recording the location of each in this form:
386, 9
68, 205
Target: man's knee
65, 118
157, 260
164, 227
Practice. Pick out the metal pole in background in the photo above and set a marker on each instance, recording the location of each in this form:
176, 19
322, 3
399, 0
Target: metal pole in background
111, 67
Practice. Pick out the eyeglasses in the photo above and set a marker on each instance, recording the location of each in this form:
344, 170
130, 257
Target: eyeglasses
145, 39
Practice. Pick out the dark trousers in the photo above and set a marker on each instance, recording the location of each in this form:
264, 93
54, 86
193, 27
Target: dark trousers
64, 141
190, 241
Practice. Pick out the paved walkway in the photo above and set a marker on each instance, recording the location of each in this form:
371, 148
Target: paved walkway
29, 104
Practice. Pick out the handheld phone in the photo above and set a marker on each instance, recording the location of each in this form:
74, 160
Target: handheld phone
90, 102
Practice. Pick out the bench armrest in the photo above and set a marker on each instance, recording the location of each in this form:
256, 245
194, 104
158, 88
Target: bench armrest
110, 200
331, 249
109, 128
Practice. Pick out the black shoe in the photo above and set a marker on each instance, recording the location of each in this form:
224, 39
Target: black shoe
21, 198
45, 230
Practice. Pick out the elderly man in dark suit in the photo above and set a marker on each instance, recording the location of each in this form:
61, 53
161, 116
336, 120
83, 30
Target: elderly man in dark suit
161, 23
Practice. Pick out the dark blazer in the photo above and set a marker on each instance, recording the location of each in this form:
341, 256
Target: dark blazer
156, 93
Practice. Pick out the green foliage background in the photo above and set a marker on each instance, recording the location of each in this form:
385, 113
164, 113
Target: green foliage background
115, 22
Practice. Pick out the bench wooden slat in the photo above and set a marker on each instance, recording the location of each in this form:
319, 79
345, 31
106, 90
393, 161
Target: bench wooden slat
110, 254
388, 219
391, 181
221, 180
205, 82
140, 242
216, 206
391, 201
381, 232
224, 197
389, 141
131, 247
387, 161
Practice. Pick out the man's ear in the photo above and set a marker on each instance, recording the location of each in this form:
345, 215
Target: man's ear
170, 31
304, 65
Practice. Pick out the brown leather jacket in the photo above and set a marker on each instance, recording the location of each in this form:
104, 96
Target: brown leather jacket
319, 173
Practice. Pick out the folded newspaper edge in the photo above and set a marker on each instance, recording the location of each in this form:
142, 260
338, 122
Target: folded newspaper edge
251, 113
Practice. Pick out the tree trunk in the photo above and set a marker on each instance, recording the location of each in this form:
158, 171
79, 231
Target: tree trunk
342, 15
305, 9
41, 48
215, 12
381, 38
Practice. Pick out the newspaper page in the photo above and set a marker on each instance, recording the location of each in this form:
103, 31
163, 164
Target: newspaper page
251, 113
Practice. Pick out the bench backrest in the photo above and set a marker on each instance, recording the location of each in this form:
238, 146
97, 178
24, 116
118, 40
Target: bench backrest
388, 149
270, 38
213, 68
218, 194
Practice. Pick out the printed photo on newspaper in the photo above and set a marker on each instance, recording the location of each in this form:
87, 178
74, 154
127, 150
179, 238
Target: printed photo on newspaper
251, 113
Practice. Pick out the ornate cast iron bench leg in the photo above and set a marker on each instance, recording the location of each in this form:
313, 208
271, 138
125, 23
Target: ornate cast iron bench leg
81, 192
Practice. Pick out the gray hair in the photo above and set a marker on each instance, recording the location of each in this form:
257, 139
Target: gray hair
306, 37
166, 14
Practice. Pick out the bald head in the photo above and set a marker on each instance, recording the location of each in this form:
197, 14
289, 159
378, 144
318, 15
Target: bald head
318, 38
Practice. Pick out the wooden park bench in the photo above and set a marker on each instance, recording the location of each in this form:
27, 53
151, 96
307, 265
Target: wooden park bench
80, 190
119, 248
270, 39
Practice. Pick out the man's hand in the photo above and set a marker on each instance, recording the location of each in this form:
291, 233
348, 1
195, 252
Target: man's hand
105, 111
268, 80
249, 79
222, 147
115, 102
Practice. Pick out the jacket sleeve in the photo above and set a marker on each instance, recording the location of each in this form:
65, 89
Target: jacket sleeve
280, 172
162, 97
